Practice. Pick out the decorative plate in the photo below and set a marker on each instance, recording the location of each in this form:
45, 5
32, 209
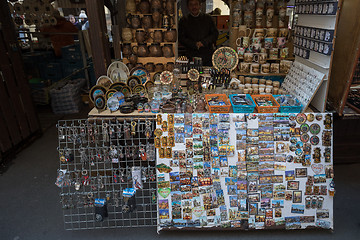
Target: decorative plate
117, 86
156, 77
113, 104
310, 117
318, 116
225, 57
193, 74
304, 137
148, 85
139, 88
166, 77
126, 91
304, 127
96, 91
118, 75
118, 65
104, 81
100, 102
120, 97
133, 81
142, 73
110, 93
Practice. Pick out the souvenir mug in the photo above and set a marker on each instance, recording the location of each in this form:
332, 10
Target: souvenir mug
168, 50
159, 67
273, 53
275, 68
245, 67
241, 52
134, 21
256, 40
146, 21
262, 58
157, 36
248, 57
156, 17
130, 6
236, 19
259, 12
258, 22
127, 35
283, 32
170, 66
144, 7
268, 42
248, 18
238, 42
282, 16
244, 31
245, 42
170, 35
281, 41
133, 59
155, 50
284, 53
265, 68
255, 68
256, 48
126, 49
150, 66
269, 16
141, 36
272, 32
141, 50
259, 32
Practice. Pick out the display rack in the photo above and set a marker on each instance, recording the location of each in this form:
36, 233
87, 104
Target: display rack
86, 154
318, 61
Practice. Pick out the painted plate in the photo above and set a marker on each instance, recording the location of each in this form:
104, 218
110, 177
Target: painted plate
142, 73
148, 85
126, 91
113, 104
225, 57
118, 75
133, 81
110, 93
118, 65
166, 77
100, 102
96, 91
117, 86
120, 97
315, 128
104, 81
139, 88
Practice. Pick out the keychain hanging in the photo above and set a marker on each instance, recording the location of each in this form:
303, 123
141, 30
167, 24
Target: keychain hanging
133, 128
148, 129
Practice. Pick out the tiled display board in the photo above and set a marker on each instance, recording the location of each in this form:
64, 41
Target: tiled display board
253, 171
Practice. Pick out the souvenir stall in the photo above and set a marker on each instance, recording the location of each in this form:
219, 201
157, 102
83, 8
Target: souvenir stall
173, 144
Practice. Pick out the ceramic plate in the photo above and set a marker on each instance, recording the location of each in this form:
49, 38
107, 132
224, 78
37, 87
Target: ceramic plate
118, 75
118, 65
148, 85
96, 91
113, 104
139, 88
100, 102
142, 73
225, 57
126, 91
120, 97
104, 81
117, 86
133, 81
110, 93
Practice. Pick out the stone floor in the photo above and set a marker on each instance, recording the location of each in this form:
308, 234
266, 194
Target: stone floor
30, 208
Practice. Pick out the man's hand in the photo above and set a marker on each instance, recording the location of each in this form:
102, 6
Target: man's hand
199, 44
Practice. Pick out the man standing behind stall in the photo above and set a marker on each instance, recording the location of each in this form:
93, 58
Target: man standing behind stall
198, 33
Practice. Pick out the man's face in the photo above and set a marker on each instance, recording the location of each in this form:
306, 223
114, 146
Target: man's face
194, 7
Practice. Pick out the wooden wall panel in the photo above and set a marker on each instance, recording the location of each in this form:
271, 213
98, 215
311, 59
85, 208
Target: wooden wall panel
345, 53
18, 117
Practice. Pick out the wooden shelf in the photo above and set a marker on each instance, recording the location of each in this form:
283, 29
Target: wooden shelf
107, 113
149, 43
155, 60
